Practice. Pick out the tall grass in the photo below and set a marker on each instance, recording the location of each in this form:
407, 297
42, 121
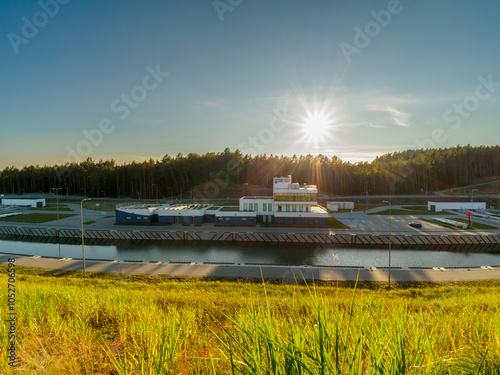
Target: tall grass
68, 324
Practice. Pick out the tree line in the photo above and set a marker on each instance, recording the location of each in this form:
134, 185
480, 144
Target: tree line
410, 171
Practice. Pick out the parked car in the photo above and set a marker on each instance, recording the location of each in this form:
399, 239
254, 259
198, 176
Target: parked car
415, 224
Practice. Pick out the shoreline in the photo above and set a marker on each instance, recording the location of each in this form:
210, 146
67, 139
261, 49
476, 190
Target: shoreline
256, 236
284, 273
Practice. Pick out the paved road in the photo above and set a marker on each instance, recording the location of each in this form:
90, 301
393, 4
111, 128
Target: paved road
359, 222
284, 273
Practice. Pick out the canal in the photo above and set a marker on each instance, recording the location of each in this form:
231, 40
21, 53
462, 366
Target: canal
237, 252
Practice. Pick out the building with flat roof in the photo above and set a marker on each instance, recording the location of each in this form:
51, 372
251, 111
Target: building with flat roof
24, 202
138, 212
440, 206
290, 204
183, 213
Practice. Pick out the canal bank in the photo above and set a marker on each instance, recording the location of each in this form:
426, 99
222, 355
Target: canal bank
255, 237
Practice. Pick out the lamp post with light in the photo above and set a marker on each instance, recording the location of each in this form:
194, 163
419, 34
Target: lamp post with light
156, 192
390, 238
83, 236
57, 203
472, 210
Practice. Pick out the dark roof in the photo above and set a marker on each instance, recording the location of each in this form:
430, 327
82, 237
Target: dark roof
230, 209
256, 197
30, 198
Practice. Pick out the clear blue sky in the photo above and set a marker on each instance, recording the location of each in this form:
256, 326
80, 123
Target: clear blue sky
265, 76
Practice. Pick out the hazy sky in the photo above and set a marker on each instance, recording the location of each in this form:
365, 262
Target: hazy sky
128, 80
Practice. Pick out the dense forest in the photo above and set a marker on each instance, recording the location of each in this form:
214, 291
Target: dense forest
411, 171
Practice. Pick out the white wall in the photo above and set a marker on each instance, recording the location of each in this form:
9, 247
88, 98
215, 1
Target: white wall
335, 206
440, 206
260, 202
22, 202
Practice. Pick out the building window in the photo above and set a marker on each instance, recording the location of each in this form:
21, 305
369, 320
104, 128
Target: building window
228, 218
287, 207
245, 206
129, 217
251, 206
256, 206
137, 218
269, 206
243, 219
264, 207
145, 217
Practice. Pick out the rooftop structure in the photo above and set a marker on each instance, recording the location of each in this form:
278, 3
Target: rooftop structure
24, 202
290, 204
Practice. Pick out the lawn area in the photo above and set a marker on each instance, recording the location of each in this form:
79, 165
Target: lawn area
35, 218
334, 223
47, 208
407, 211
440, 224
491, 188
476, 225
118, 324
417, 208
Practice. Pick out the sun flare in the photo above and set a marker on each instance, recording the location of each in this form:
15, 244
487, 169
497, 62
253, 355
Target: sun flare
316, 126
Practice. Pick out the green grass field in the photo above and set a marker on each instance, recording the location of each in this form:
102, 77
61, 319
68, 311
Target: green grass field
61, 209
476, 225
491, 188
406, 211
116, 324
35, 218
334, 223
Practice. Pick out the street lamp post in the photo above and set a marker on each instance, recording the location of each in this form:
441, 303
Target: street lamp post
156, 193
83, 236
470, 217
57, 203
390, 238
103, 191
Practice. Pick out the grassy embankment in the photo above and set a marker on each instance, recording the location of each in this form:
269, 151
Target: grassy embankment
35, 218
409, 210
52, 207
116, 324
492, 187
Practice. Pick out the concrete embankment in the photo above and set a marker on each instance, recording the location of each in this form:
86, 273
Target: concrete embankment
260, 271
255, 236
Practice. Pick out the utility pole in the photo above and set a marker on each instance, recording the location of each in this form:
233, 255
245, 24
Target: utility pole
470, 217
57, 203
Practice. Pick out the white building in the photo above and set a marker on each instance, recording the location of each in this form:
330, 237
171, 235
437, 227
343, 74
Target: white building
440, 206
24, 202
183, 213
291, 203
335, 206
137, 212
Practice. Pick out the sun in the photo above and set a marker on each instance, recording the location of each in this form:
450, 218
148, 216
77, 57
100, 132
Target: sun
316, 127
